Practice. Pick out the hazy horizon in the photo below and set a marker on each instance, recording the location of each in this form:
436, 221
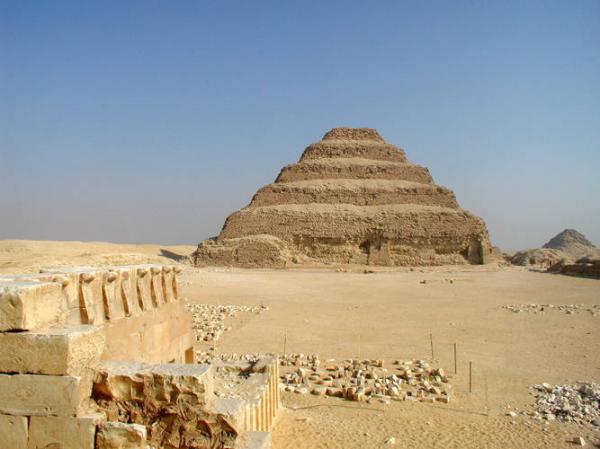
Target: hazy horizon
148, 123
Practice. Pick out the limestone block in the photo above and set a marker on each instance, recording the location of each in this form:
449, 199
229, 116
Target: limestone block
234, 410
116, 435
166, 381
54, 351
167, 283
144, 287
53, 432
13, 432
111, 296
85, 293
121, 381
28, 394
91, 296
156, 285
177, 271
70, 281
254, 440
124, 339
127, 286
155, 336
31, 305
162, 383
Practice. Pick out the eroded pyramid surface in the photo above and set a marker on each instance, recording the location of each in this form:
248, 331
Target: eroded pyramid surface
352, 198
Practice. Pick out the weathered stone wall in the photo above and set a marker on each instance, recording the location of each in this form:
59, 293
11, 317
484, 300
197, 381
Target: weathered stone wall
94, 359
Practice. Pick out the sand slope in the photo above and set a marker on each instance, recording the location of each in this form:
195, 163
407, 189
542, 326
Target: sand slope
28, 256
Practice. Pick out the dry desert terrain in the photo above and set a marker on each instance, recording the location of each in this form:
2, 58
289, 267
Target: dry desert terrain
390, 314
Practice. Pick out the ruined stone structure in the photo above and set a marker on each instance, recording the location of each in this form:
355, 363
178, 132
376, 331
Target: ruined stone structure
103, 359
352, 198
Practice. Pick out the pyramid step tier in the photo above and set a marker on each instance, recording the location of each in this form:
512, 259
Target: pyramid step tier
360, 192
353, 168
366, 149
386, 235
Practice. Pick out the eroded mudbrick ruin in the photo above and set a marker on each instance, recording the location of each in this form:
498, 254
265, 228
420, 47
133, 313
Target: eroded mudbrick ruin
351, 199
104, 359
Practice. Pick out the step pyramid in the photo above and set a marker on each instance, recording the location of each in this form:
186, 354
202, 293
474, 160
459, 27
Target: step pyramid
352, 198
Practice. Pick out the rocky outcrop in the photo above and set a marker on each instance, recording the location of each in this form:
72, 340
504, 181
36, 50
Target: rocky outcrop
351, 199
540, 257
586, 266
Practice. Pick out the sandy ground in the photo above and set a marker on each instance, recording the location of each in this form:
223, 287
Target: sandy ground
390, 315
29, 256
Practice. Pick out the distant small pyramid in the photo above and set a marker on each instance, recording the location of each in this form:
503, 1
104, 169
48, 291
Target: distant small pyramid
573, 243
352, 198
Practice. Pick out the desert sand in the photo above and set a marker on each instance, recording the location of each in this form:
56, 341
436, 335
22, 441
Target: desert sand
29, 256
390, 314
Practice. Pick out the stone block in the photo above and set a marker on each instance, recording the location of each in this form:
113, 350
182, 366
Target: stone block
111, 295
29, 394
167, 281
70, 281
121, 381
156, 284
254, 440
116, 435
13, 432
234, 410
144, 287
127, 286
162, 383
53, 432
91, 296
31, 305
54, 351
85, 293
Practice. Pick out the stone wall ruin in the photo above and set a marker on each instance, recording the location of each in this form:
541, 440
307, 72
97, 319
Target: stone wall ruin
103, 358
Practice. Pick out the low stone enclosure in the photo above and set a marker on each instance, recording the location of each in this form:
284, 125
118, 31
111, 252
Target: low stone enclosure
103, 358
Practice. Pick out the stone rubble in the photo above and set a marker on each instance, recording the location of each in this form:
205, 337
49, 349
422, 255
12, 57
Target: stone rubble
569, 309
578, 403
365, 380
355, 380
209, 320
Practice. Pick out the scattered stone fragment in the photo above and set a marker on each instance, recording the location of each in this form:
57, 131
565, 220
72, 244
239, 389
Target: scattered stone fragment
569, 309
353, 379
208, 320
390, 440
579, 403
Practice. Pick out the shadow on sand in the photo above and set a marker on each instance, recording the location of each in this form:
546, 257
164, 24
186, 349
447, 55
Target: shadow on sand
174, 256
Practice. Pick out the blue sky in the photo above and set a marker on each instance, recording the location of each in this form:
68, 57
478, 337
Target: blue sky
152, 121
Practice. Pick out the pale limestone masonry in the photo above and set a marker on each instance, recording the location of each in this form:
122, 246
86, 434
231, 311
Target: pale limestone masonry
103, 358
